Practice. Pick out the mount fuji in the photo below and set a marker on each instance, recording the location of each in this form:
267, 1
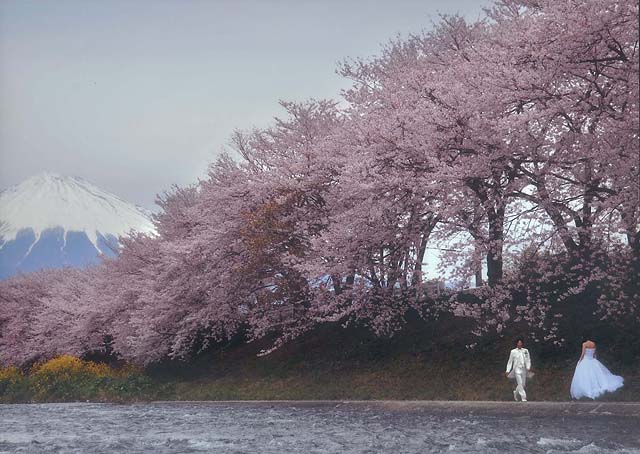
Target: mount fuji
52, 221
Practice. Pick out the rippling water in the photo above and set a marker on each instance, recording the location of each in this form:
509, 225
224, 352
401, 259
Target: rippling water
278, 428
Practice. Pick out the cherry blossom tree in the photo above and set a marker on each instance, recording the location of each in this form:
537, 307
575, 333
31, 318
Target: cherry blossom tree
510, 143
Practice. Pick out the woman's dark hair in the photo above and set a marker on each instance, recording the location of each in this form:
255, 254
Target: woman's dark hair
586, 336
519, 339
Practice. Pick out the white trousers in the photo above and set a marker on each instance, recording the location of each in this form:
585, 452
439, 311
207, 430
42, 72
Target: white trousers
521, 381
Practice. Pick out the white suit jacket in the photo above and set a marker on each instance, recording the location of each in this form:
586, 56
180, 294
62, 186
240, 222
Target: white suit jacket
519, 359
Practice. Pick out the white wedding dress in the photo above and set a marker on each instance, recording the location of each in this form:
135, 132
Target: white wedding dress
591, 379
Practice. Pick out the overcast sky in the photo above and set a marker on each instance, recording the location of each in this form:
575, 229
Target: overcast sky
135, 95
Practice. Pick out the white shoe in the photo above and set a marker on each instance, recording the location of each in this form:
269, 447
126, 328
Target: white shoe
524, 400
515, 396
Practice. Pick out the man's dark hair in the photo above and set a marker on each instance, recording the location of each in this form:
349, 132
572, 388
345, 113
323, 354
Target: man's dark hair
519, 340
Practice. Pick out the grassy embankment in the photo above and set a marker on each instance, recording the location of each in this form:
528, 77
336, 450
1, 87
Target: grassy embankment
420, 363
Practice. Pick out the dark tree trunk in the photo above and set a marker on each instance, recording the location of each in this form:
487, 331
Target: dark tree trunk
494, 252
479, 280
416, 279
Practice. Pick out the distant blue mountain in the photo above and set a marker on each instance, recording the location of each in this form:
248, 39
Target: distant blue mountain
24, 254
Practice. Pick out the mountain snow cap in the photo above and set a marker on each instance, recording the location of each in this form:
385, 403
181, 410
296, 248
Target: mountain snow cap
49, 200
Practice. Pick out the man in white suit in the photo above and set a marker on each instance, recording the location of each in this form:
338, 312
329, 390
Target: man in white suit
518, 366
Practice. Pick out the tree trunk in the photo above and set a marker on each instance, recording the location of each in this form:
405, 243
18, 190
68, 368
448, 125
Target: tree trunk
416, 279
494, 251
495, 208
478, 263
556, 216
585, 231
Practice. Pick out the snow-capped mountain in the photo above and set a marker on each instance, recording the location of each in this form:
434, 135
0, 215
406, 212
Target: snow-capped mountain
51, 221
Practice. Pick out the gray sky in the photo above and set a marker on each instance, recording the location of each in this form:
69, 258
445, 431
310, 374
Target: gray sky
135, 96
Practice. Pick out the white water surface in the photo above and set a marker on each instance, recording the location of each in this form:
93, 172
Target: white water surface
336, 428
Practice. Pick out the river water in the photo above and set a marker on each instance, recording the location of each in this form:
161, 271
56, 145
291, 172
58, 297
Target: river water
303, 428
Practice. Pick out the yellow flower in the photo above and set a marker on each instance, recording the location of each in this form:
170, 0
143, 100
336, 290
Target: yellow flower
10, 373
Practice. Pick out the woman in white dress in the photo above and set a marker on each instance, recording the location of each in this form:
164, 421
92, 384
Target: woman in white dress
591, 379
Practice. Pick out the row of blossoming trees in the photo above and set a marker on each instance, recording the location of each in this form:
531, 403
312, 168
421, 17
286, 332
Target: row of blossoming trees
510, 143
